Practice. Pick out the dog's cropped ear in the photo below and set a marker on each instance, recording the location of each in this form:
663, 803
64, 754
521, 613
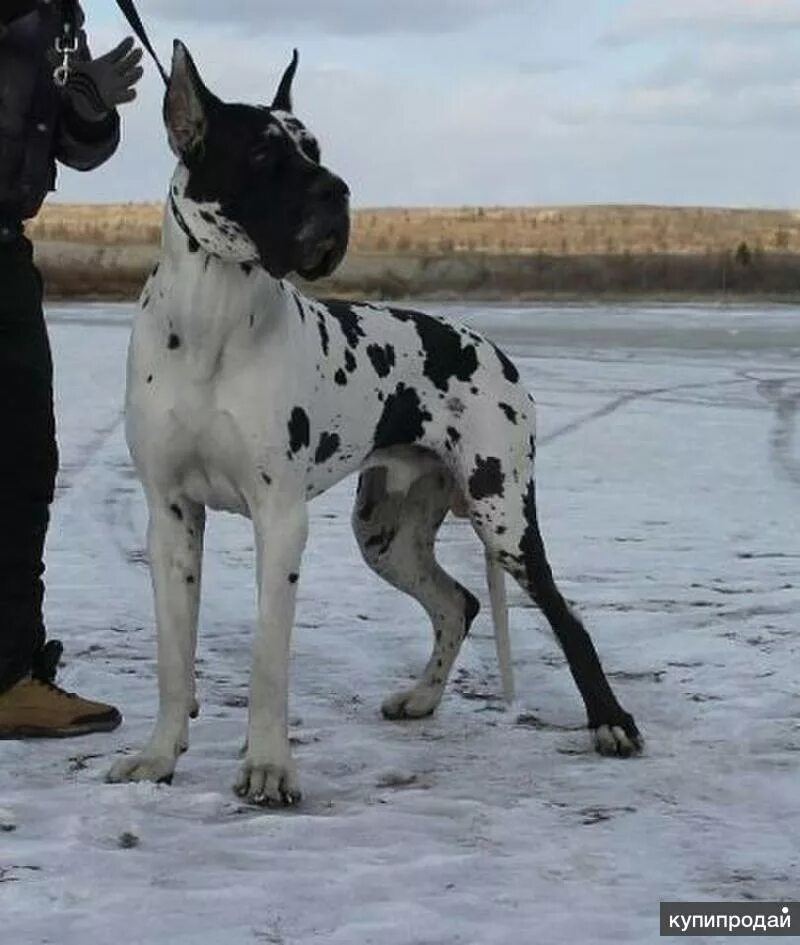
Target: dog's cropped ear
185, 104
283, 97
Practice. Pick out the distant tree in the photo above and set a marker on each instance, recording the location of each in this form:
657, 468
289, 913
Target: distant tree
743, 255
781, 238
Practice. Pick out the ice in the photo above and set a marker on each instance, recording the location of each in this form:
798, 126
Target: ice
669, 486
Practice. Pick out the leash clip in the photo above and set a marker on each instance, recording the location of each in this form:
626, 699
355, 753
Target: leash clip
66, 46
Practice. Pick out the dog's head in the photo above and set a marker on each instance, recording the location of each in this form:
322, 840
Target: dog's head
251, 187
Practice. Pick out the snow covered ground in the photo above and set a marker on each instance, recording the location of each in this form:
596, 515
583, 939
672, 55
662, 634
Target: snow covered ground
669, 496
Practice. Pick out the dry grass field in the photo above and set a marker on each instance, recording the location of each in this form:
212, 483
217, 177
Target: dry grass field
105, 251
556, 231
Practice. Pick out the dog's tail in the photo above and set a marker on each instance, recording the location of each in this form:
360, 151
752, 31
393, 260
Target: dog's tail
496, 579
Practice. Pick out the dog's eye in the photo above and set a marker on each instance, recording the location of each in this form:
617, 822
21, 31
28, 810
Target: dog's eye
311, 151
260, 157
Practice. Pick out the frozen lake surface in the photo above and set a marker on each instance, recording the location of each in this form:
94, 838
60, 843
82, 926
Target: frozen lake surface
669, 491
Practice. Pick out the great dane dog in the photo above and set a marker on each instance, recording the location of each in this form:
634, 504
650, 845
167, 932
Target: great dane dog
246, 396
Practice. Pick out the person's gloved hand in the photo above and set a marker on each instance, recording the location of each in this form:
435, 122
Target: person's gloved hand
96, 86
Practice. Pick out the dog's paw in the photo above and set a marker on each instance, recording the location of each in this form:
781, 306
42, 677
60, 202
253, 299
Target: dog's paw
414, 703
620, 740
268, 785
142, 768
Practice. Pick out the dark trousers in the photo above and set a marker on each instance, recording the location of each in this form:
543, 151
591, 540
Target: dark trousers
28, 459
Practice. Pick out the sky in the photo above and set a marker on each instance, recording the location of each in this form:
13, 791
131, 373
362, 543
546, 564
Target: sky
494, 102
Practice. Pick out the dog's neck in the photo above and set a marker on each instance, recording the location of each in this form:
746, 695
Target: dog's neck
203, 296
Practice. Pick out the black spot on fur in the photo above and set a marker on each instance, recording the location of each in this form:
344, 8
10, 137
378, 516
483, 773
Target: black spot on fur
349, 361
299, 430
341, 378
382, 357
246, 268
365, 509
471, 608
349, 320
382, 541
487, 478
149, 378
267, 479
509, 370
293, 578
190, 579
509, 412
173, 342
328, 445
154, 270
208, 217
300, 309
176, 511
446, 358
453, 435
402, 419
324, 337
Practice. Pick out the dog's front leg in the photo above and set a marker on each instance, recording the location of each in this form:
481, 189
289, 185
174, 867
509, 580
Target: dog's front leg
175, 545
268, 774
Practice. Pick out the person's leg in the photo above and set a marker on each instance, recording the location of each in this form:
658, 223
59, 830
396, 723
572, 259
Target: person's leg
31, 705
28, 460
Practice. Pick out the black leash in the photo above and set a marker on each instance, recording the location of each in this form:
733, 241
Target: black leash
132, 16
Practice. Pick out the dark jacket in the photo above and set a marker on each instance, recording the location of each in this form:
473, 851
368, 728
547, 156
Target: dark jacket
38, 125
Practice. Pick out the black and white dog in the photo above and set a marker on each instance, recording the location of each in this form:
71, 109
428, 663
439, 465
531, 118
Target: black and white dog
246, 396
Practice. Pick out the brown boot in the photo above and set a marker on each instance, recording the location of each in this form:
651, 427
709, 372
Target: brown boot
34, 708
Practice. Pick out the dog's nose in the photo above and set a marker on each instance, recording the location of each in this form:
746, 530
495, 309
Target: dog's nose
332, 189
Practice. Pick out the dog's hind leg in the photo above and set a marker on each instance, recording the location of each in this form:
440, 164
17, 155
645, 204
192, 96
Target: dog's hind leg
396, 534
503, 511
175, 545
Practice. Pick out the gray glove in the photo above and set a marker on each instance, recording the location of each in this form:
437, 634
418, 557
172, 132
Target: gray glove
96, 86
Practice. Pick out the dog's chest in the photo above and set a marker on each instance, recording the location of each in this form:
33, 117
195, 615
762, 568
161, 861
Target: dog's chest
185, 435
195, 414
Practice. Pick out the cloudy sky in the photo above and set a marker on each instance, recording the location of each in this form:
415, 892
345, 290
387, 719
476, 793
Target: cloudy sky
449, 102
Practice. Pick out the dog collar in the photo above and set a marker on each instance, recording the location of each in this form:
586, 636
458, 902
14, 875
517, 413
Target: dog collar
194, 243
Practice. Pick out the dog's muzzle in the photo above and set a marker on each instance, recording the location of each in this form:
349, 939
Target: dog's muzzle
323, 240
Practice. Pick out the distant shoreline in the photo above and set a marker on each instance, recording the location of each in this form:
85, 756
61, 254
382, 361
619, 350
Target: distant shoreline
80, 270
